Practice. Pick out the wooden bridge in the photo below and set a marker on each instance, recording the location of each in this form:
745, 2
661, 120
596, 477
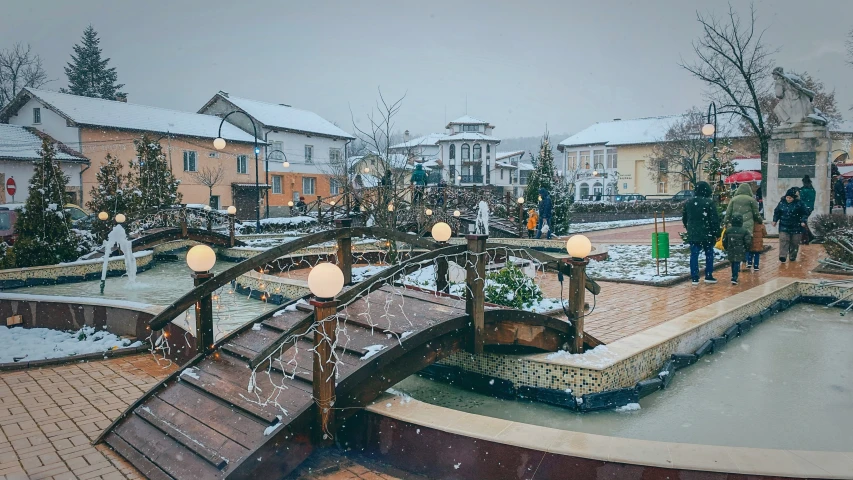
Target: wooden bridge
257, 402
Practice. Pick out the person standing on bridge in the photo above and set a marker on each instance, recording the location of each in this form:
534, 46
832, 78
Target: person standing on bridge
418, 181
546, 207
532, 222
702, 222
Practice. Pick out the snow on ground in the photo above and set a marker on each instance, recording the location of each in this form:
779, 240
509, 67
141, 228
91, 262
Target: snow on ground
631, 407
363, 273
594, 226
598, 357
635, 262
41, 343
298, 220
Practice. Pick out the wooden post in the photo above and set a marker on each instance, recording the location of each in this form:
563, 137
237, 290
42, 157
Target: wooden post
577, 292
475, 296
345, 250
203, 316
231, 230
441, 271
323, 373
183, 222
521, 227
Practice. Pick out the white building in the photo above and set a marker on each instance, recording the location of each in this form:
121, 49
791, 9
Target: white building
313, 146
510, 172
19, 149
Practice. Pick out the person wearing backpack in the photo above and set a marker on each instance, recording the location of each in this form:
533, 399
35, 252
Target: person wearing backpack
759, 231
702, 222
736, 241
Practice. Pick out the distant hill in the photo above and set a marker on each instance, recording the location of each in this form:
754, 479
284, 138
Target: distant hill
529, 144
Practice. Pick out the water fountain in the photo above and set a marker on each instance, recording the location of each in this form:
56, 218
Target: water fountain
118, 238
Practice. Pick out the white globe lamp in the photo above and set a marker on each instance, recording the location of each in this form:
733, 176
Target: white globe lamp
120, 218
325, 281
290, 203
232, 210
201, 258
103, 216
520, 200
456, 213
441, 232
428, 212
708, 129
219, 143
578, 247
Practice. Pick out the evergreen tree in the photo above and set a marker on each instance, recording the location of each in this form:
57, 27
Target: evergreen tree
152, 180
44, 228
88, 74
562, 201
543, 171
112, 194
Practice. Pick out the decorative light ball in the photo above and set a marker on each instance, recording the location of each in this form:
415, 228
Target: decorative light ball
286, 164
207, 208
363, 208
290, 203
708, 129
520, 200
390, 207
456, 213
332, 203
219, 143
458, 178
326, 280
103, 216
428, 212
594, 174
120, 218
441, 232
578, 246
366, 169
232, 210
201, 258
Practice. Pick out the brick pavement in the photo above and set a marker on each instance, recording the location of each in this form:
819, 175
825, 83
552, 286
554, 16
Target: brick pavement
49, 417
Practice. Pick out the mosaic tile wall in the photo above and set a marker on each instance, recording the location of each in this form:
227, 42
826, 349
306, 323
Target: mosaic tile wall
523, 370
53, 272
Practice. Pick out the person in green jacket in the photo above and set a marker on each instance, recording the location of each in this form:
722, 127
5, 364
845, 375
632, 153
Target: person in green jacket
745, 206
807, 196
419, 181
702, 222
736, 241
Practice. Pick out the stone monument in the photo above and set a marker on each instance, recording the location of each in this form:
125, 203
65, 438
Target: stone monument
799, 146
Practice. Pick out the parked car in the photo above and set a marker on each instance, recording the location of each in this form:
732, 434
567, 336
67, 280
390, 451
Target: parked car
7, 225
632, 197
76, 212
683, 195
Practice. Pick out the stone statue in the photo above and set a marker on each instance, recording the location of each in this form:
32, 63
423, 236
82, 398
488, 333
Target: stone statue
795, 100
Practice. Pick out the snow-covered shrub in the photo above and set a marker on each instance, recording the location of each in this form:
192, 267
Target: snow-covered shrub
627, 207
510, 287
825, 224
839, 245
278, 225
86, 241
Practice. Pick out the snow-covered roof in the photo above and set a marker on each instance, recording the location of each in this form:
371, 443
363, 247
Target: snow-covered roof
468, 136
431, 164
86, 111
500, 155
505, 165
636, 131
365, 180
429, 139
467, 119
524, 166
20, 143
286, 118
844, 126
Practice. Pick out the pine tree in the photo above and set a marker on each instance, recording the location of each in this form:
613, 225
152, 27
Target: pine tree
44, 228
152, 180
562, 202
543, 171
88, 74
112, 194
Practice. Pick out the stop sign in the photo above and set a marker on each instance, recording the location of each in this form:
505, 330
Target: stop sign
11, 188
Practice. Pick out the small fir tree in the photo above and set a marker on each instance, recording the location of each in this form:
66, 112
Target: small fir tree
44, 228
88, 74
112, 194
153, 183
543, 171
561, 199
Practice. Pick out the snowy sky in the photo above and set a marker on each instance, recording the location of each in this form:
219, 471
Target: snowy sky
520, 64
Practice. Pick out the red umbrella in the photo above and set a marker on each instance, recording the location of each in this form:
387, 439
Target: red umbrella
744, 177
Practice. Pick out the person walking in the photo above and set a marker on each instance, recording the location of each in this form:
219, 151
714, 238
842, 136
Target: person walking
545, 209
532, 222
736, 241
702, 222
807, 195
791, 216
759, 197
840, 194
419, 181
744, 206
759, 231
849, 193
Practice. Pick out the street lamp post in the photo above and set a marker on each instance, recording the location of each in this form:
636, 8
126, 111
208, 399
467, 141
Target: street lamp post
578, 247
201, 260
710, 130
220, 143
284, 164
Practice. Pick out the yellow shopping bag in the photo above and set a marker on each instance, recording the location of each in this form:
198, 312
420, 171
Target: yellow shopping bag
719, 244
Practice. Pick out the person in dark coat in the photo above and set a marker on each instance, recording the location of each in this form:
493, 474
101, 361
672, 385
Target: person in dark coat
807, 195
702, 222
759, 197
546, 207
791, 216
840, 194
737, 240
301, 206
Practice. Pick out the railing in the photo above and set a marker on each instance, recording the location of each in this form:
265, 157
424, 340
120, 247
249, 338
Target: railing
472, 179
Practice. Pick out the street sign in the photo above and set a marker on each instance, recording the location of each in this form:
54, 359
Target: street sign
11, 188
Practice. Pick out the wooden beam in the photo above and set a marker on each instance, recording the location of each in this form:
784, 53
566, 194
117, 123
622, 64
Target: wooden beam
475, 297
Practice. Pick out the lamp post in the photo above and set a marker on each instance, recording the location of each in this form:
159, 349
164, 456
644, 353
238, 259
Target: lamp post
220, 143
710, 130
290, 204
520, 202
325, 281
284, 164
441, 233
201, 260
232, 212
578, 248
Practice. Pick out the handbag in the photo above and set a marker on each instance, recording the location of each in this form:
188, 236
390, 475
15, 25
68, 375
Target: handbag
545, 229
719, 244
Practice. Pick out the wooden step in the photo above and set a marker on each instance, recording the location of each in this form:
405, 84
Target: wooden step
196, 445
145, 466
238, 351
230, 394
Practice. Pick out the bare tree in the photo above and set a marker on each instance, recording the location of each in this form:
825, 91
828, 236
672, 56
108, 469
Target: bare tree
210, 176
682, 150
19, 68
735, 64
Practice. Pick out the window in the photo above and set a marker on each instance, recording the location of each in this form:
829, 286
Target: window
334, 187
276, 184
597, 189
584, 159
309, 185
584, 191
470, 128
477, 152
452, 151
465, 152
488, 148
189, 161
309, 154
571, 160
662, 187
334, 155
295, 196
277, 155
663, 166
502, 174
685, 185
242, 164
611, 158
37, 115
598, 159
214, 202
